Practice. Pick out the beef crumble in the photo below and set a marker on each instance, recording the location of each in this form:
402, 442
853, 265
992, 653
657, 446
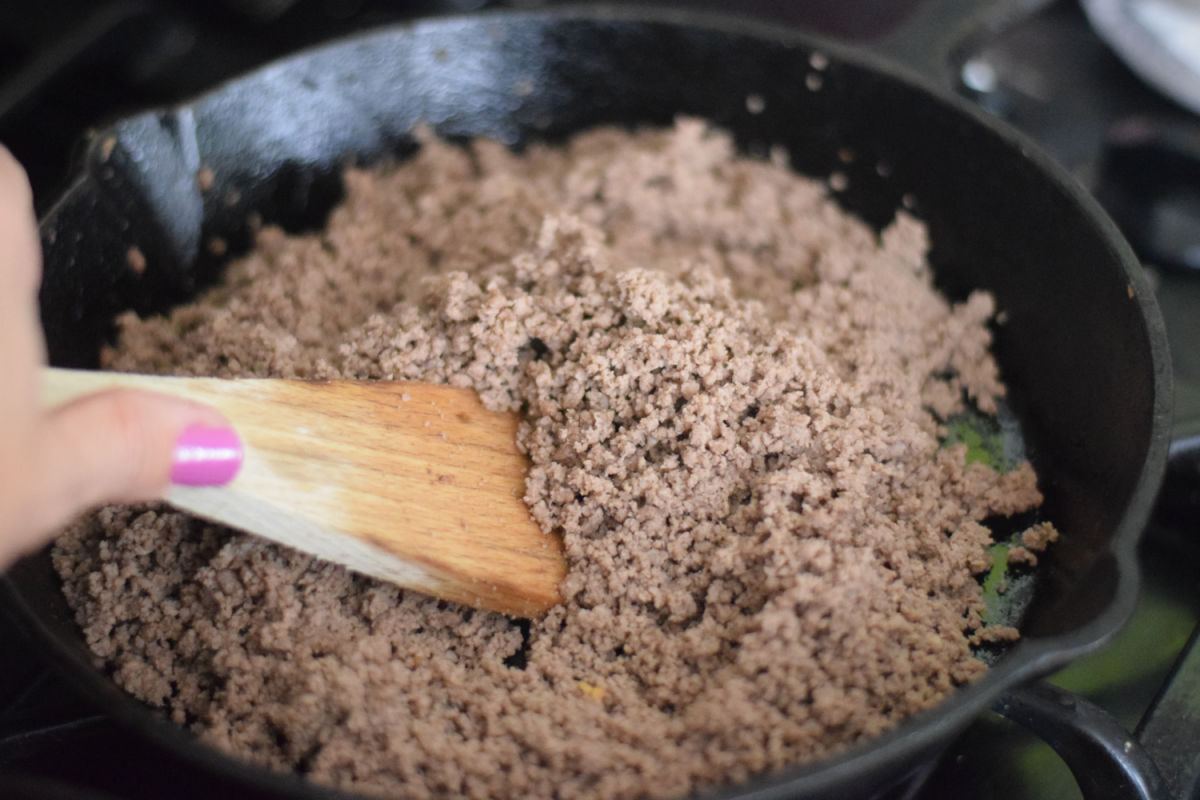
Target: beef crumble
731, 392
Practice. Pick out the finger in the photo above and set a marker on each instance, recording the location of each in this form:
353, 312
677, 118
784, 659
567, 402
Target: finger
20, 258
113, 446
21, 345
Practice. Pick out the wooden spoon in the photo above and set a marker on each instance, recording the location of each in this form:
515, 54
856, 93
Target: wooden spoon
409, 482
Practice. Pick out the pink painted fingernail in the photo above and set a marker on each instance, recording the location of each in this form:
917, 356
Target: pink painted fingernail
206, 456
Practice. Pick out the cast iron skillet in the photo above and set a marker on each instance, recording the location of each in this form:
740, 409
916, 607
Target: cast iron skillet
1081, 345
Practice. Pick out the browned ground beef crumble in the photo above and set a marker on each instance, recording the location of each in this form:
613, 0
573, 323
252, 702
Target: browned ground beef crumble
731, 393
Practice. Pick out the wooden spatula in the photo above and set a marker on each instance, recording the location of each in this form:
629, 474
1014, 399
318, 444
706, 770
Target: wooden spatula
413, 483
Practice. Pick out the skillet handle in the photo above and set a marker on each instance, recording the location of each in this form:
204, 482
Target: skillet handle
1168, 730
1107, 762
938, 35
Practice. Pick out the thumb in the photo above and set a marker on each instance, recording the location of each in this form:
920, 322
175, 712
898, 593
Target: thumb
122, 445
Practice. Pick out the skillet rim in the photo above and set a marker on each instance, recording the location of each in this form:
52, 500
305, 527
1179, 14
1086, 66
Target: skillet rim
888, 752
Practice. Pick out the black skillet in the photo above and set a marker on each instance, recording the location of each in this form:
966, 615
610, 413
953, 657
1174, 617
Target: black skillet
1081, 345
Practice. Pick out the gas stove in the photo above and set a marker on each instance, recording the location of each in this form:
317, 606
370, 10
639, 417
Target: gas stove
1047, 73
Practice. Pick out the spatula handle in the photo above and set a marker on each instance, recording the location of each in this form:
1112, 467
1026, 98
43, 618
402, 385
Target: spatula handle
61, 385
414, 483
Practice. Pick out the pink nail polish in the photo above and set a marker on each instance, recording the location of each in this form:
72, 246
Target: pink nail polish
206, 457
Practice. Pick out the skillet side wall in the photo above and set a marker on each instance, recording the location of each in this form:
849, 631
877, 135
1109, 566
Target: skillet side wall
1074, 348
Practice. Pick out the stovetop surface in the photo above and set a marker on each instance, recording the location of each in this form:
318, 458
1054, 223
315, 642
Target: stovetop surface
1050, 76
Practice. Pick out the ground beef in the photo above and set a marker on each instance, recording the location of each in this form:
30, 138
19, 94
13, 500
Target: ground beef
1033, 540
732, 395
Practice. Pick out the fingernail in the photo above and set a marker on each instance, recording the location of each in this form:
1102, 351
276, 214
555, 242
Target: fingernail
206, 457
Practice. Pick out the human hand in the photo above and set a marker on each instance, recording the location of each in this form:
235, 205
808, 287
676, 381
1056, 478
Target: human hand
113, 446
